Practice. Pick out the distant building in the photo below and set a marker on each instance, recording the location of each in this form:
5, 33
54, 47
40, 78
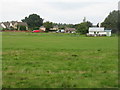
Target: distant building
19, 24
42, 28
98, 31
1, 27
55, 27
5, 25
12, 25
70, 30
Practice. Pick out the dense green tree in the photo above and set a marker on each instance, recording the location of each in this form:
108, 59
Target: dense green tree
62, 27
22, 27
48, 25
70, 25
83, 27
119, 21
111, 21
33, 21
54, 24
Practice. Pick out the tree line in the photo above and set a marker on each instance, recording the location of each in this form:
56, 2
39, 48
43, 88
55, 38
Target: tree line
34, 21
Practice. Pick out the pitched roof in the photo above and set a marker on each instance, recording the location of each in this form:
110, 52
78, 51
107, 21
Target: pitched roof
70, 29
96, 29
7, 24
55, 26
22, 23
13, 22
1, 25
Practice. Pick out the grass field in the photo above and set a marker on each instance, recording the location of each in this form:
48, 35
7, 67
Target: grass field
52, 60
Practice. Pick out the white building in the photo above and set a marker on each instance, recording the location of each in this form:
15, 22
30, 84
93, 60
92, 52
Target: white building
98, 31
42, 28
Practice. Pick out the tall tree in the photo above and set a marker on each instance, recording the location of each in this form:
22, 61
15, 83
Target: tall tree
119, 21
33, 21
111, 21
83, 27
48, 25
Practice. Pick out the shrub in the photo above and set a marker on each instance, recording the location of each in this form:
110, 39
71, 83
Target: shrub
22, 27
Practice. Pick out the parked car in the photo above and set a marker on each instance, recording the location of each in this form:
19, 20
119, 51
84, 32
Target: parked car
60, 31
36, 31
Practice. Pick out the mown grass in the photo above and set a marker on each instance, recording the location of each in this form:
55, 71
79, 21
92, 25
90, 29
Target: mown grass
47, 60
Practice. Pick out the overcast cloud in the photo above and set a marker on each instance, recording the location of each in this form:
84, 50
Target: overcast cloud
59, 11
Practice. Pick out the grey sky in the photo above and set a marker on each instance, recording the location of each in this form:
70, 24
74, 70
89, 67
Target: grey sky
59, 11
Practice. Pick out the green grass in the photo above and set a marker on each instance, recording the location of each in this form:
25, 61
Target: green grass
47, 60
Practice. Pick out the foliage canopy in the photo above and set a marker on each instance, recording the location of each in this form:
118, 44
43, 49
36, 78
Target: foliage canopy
33, 21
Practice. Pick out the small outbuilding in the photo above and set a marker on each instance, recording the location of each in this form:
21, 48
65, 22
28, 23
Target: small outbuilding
98, 31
